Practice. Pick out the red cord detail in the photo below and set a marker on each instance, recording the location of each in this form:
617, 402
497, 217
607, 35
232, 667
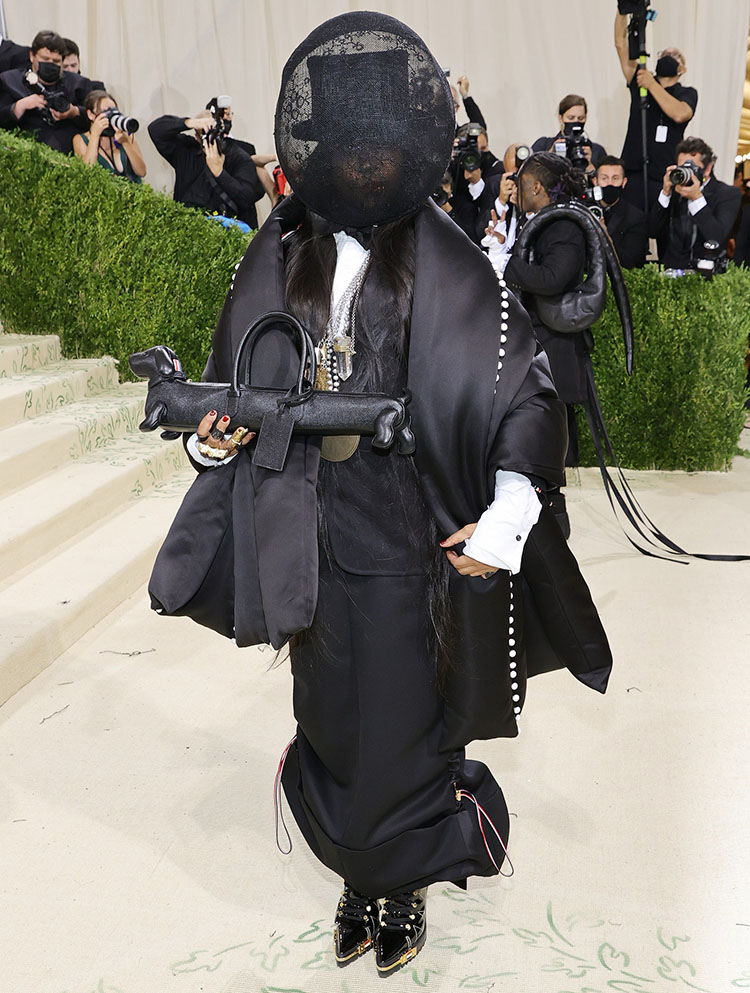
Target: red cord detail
481, 812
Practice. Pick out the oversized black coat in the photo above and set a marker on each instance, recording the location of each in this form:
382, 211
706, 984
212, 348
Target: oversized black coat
482, 399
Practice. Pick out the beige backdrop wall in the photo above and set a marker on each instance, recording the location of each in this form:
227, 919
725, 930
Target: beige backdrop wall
170, 56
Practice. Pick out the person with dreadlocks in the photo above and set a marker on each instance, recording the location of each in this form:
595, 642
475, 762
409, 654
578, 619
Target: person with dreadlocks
557, 266
421, 589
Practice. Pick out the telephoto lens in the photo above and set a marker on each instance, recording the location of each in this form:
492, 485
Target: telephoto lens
682, 175
121, 122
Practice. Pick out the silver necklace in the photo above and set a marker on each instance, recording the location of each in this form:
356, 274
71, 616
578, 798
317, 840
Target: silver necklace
340, 338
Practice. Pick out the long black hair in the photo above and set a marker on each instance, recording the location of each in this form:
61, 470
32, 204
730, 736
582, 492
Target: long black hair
383, 319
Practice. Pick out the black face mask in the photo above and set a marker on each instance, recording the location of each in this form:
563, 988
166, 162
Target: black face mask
611, 194
667, 66
49, 72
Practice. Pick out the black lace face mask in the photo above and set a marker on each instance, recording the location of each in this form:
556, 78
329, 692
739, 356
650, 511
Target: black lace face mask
364, 121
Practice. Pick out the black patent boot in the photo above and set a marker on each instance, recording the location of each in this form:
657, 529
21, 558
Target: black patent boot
355, 926
402, 930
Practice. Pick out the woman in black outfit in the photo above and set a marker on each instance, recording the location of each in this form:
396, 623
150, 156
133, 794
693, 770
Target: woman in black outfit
572, 110
415, 643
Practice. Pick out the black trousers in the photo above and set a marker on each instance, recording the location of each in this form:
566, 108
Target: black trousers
368, 785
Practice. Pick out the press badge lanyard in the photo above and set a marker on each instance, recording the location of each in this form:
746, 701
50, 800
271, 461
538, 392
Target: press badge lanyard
662, 131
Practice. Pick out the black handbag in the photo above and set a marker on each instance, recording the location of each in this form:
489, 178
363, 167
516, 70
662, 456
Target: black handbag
176, 405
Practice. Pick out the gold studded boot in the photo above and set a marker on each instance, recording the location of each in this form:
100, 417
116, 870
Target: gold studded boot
402, 930
355, 926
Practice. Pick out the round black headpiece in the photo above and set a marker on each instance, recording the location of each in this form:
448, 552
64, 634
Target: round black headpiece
364, 122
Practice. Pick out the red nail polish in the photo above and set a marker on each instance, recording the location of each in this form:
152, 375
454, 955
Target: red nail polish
212, 413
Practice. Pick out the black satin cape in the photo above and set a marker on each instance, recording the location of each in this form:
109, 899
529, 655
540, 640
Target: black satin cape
467, 425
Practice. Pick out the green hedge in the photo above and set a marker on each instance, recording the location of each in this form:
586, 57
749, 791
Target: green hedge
113, 268
683, 406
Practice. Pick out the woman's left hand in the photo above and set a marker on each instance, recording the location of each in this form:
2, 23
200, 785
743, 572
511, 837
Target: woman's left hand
465, 565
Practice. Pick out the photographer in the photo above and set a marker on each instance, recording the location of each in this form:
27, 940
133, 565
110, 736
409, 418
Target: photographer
669, 107
72, 58
572, 113
625, 223
44, 100
472, 164
558, 266
106, 143
497, 221
694, 213
212, 172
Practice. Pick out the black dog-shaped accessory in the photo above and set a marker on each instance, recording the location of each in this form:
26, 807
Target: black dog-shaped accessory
176, 405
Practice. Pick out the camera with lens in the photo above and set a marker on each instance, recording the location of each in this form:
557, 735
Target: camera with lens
466, 150
575, 144
593, 200
219, 131
522, 153
682, 175
440, 196
56, 99
119, 122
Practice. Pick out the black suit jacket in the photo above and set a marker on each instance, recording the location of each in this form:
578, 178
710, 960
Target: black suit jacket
628, 229
558, 266
680, 236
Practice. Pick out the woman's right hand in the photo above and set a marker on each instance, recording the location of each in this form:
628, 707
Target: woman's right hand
99, 123
211, 433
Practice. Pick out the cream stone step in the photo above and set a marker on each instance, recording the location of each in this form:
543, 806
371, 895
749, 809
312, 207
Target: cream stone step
52, 510
29, 394
50, 606
32, 448
22, 352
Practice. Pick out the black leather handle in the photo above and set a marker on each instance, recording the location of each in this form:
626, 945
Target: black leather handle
254, 331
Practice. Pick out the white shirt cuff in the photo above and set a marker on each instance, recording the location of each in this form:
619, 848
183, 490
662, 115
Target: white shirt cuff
195, 455
695, 205
664, 199
476, 188
499, 257
501, 532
